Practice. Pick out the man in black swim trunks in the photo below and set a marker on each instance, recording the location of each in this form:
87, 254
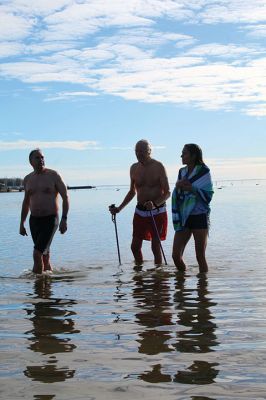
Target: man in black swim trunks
42, 187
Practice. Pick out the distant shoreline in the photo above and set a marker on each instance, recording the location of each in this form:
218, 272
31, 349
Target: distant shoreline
217, 182
21, 189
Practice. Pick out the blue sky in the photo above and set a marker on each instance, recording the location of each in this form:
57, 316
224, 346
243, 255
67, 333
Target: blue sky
84, 80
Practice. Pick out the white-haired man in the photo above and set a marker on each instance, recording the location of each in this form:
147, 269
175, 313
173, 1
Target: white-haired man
148, 179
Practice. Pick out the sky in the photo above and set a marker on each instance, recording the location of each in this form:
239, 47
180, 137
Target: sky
84, 80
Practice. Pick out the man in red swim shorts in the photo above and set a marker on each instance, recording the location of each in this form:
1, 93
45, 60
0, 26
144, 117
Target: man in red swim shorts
149, 180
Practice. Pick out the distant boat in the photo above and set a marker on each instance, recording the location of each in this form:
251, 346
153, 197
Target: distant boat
80, 187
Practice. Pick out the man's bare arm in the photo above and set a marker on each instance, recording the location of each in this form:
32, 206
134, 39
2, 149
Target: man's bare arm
165, 190
129, 196
165, 187
24, 211
62, 190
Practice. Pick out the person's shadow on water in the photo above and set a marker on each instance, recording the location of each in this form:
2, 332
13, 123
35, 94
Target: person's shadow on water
193, 307
152, 296
50, 335
195, 336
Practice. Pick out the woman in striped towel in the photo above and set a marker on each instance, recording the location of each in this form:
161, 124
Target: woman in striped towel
190, 206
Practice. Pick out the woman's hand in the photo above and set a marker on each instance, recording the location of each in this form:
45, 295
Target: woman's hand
184, 184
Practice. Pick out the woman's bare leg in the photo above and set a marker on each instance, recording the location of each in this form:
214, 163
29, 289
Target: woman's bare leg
180, 241
200, 237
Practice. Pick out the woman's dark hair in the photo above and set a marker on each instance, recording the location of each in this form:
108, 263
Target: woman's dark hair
196, 151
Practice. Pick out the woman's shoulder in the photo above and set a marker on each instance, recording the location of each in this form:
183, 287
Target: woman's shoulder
205, 167
182, 171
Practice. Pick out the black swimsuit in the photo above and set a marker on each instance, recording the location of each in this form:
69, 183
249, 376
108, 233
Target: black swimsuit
42, 231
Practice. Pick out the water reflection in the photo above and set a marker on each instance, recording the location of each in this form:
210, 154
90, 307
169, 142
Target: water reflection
202, 398
194, 313
152, 295
191, 310
52, 326
155, 375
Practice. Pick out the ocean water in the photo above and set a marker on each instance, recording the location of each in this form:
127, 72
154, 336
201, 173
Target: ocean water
97, 330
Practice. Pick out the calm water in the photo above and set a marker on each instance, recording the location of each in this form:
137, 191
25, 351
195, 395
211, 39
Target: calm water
95, 330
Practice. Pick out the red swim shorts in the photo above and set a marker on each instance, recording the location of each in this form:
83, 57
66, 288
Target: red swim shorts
143, 226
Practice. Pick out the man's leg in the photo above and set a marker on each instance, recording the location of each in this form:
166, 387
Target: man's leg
180, 241
37, 262
46, 262
156, 249
136, 246
200, 237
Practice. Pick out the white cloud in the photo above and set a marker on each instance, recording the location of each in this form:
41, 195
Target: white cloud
229, 168
222, 50
256, 31
232, 11
8, 49
137, 75
257, 111
131, 148
239, 168
221, 169
56, 18
32, 144
14, 27
68, 95
130, 57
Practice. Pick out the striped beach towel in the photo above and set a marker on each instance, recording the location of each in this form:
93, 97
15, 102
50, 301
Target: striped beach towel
183, 202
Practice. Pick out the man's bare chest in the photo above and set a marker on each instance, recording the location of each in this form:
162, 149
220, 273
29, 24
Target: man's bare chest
41, 185
146, 177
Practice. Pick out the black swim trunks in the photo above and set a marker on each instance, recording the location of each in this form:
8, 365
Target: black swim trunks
42, 231
197, 221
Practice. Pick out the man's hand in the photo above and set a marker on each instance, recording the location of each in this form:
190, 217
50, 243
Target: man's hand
63, 226
22, 230
113, 209
149, 205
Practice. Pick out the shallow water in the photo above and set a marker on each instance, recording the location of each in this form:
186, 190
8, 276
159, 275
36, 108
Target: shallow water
97, 330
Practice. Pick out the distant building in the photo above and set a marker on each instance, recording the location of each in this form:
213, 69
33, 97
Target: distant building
10, 184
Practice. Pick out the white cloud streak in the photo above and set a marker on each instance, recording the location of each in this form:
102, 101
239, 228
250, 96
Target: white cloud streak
229, 168
133, 148
32, 144
74, 145
68, 95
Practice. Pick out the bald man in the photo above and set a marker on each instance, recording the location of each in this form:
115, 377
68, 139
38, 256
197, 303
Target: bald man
148, 179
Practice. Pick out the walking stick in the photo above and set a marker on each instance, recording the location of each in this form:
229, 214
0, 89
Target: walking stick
158, 236
116, 234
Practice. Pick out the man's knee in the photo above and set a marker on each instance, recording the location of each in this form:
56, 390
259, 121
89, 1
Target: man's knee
177, 257
37, 253
136, 245
155, 244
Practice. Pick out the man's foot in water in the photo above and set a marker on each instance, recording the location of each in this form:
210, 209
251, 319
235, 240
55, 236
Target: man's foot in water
46, 263
138, 266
